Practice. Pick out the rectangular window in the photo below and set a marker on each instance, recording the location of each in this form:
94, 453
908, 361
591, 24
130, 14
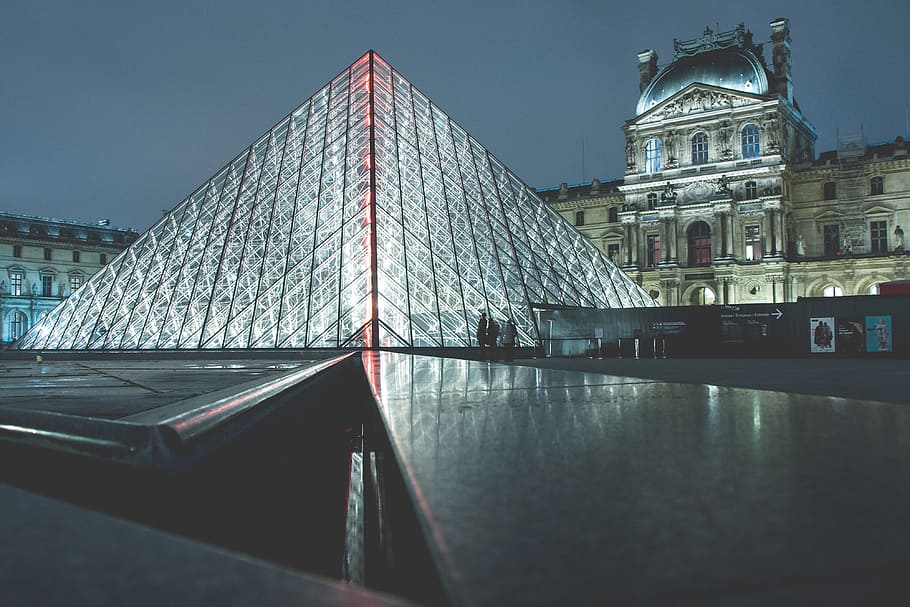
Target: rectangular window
753, 242
47, 286
879, 236
579, 218
751, 190
47, 254
653, 250
877, 186
75, 256
103, 259
75, 282
830, 190
832, 240
15, 280
17, 250
613, 251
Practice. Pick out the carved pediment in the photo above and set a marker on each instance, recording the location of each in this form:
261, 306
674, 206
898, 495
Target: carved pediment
829, 215
697, 98
876, 210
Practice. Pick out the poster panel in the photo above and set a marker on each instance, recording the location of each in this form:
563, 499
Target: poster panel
878, 334
821, 334
851, 335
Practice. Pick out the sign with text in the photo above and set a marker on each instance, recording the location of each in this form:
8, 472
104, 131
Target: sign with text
742, 324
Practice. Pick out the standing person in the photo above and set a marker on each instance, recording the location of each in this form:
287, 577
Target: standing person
482, 335
508, 341
492, 336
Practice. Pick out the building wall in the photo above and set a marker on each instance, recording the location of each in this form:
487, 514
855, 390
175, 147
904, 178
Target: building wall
42, 260
776, 198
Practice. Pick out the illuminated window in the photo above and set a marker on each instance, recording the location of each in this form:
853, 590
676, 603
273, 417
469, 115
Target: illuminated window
579, 218
873, 289
699, 244
877, 186
653, 250
703, 296
829, 190
18, 323
832, 291
751, 143
751, 190
753, 242
879, 236
15, 280
652, 156
700, 148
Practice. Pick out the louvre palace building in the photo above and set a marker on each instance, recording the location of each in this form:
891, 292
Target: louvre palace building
724, 199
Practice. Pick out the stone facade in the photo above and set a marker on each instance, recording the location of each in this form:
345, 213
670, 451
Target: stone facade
724, 201
43, 260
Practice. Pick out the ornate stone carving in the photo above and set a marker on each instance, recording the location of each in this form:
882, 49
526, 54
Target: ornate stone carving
698, 100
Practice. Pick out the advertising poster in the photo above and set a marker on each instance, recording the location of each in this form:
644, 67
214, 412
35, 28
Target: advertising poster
821, 334
851, 335
878, 334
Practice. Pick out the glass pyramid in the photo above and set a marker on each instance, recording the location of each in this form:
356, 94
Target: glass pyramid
365, 218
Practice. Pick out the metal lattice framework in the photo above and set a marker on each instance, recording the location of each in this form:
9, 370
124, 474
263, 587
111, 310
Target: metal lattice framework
366, 217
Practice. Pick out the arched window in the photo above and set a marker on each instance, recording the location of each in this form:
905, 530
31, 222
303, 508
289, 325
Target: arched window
703, 296
700, 148
751, 141
873, 289
699, 237
613, 215
18, 323
832, 291
652, 156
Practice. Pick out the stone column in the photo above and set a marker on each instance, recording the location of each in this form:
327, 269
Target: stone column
766, 235
779, 233
730, 233
636, 229
673, 238
628, 244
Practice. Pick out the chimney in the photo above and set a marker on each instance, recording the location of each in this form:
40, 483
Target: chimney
647, 67
780, 56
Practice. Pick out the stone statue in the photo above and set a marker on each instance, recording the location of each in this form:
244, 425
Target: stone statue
630, 152
721, 186
800, 246
898, 239
669, 194
670, 145
3, 288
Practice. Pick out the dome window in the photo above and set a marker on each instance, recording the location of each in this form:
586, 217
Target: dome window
700, 148
751, 142
652, 156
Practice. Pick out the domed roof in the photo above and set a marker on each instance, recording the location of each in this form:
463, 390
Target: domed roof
729, 68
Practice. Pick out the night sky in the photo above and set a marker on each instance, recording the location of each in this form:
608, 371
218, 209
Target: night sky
119, 109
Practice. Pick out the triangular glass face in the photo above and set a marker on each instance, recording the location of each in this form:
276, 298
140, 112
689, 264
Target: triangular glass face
365, 218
